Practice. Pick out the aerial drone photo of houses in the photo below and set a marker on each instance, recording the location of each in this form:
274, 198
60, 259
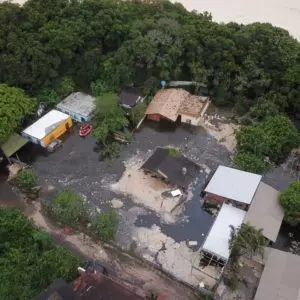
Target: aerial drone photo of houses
154, 159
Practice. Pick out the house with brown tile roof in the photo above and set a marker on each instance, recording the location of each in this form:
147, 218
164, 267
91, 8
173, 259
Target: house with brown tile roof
176, 105
192, 110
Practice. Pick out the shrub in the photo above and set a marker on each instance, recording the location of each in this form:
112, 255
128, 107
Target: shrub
232, 282
274, 137
27, 179
69, 208
173, 152
104, 225
290, 201
250, 162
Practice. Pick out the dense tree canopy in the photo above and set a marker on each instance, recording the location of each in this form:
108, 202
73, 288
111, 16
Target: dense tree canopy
272, 139
43, 43
290, 201
29, 261
14, 106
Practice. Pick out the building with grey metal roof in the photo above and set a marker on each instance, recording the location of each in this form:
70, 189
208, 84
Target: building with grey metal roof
265, 211
79, 106
280, 279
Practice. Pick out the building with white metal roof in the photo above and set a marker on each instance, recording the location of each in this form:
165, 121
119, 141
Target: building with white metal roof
217, 240
79, 106
48, 128
233, 184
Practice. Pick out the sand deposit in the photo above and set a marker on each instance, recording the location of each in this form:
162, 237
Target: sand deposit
175, 258
146, 190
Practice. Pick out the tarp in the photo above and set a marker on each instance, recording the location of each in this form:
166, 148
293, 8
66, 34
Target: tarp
13, 144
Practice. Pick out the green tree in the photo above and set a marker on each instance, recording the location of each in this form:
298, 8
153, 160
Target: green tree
29, 260
137, 113
274, 138
68, 208
109, 117
15, 105
246, 240
290, 201
48, 97
66, 86
250, 162
104, 225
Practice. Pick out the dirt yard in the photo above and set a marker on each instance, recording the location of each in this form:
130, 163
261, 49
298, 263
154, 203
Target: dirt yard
129, 270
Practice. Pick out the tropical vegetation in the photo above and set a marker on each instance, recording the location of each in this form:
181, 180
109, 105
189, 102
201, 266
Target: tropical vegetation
290, 201
29, 260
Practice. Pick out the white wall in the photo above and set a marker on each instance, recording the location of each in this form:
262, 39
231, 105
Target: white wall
190, 120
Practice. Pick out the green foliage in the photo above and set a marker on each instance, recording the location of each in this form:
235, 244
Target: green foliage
111, 150
137, 113
29, 260
66, 86
173, 152
232, 282
99, 88
109, 118
15, 105
48, 97
238, 63
274, 138
68, 208
104, 225
246, 240
290, 201
27, 179
250, 162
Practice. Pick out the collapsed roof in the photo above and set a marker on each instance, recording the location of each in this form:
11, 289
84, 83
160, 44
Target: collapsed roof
177, 169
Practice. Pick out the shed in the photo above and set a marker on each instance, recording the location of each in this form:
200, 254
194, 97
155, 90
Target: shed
233, 184
217, 240
13, 144
280, 279
79, 106
129, 97
265, 211
48, 128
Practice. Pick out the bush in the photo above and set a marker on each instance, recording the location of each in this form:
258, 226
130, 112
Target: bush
27, 179
232, 282
69, 208
173, 152
274, 137
104, 225
290, 201
250, 162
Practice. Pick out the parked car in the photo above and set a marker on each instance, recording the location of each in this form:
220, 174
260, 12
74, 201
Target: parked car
85, 130
54, 145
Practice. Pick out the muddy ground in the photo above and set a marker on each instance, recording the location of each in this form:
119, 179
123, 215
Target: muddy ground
148, 225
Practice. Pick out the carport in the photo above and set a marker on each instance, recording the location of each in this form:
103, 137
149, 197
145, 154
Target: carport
14, 143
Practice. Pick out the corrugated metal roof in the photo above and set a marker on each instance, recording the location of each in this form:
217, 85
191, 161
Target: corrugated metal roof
217, 241
265, 211
281, 277
78, 103
45, 124
13, 144
233, 184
